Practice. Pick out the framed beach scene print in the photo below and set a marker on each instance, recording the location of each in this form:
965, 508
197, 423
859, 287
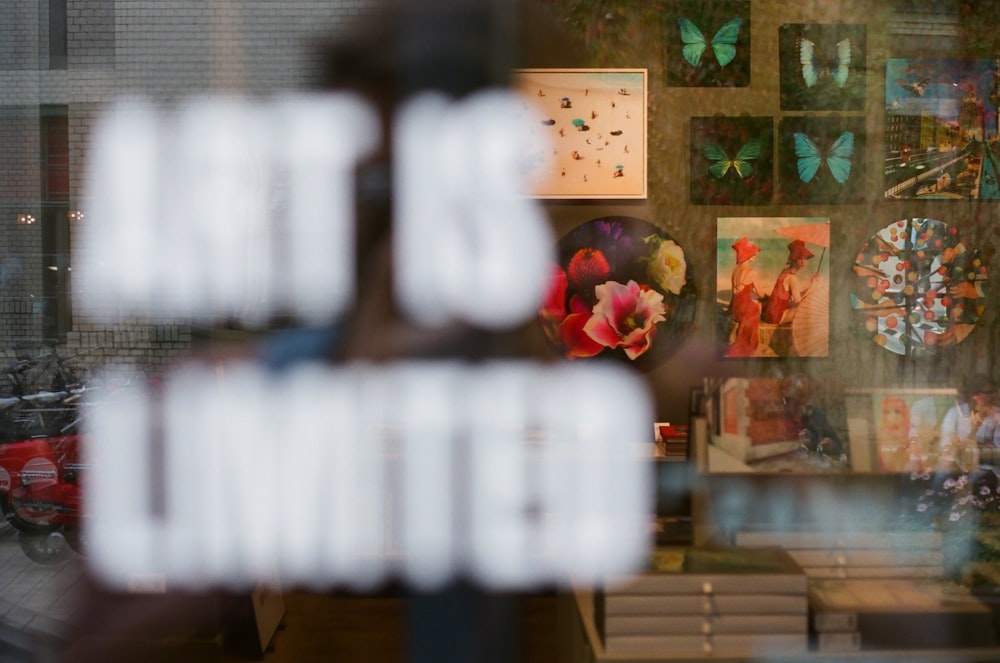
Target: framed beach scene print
590, 132
773, 286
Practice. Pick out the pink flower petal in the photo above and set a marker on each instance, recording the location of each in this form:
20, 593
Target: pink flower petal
575, 340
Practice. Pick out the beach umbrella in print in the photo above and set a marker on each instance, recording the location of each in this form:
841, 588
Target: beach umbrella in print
811, 322
578, 123
817, 234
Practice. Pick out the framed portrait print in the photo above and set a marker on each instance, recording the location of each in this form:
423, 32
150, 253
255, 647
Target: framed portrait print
773, 286
590, 132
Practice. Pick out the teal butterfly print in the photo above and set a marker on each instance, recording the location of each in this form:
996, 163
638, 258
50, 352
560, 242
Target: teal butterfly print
721, 163
723, 43
837, 158
814, 66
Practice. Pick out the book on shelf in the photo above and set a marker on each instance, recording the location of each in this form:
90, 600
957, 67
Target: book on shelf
897, 540
833, 642
701, 604
710, 571
898, 613
618, 625
873, 572
833, 621
744, 645
869, 557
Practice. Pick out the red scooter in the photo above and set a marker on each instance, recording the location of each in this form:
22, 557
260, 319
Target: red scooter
39, 489
44, 505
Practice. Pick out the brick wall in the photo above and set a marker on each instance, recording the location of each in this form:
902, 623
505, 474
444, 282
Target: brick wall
167, 49
20, 245
171, 48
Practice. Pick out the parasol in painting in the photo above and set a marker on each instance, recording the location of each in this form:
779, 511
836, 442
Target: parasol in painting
811, 323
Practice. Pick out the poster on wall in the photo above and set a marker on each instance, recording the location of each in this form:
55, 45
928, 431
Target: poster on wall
773, 286
822, 67
707, 44
941, 129
784, 424
919, 287
732, 160
591, 135
903, 430
821, 160
622, 290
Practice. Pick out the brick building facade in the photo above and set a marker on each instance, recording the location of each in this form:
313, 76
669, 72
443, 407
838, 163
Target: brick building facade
60, 62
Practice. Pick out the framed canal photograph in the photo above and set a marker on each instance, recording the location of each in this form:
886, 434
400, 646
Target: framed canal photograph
590, 133
941, 129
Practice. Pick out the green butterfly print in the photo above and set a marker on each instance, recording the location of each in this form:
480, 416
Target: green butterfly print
721, 163
723, 43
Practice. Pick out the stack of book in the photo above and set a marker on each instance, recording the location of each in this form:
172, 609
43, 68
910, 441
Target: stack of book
896, 613
700, 602
856, 554
673, 442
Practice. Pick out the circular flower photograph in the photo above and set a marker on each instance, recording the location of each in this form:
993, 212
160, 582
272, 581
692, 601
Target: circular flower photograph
622, 289
918, 287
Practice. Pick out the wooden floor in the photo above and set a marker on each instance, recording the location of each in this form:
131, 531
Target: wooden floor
397, 629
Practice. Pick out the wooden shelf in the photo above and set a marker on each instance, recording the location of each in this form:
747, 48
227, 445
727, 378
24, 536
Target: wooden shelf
586, 647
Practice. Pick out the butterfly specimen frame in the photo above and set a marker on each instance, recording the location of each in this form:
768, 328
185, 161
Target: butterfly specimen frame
591, 140
822, 66
708, 44
732, 160
821, 160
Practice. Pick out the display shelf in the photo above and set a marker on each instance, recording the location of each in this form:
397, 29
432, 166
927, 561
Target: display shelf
587, 647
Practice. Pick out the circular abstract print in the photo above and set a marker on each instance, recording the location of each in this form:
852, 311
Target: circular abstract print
919, 287
622, 289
